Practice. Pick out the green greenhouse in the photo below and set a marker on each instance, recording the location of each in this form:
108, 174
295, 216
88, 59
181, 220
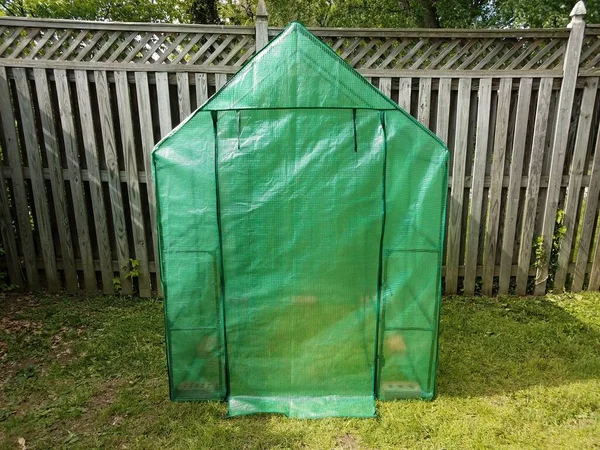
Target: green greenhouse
301, 221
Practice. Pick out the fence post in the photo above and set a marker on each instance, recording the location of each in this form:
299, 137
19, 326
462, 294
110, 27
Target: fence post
559, 145
262, 26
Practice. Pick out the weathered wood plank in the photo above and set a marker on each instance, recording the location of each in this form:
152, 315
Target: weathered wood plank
587, 231
9, 241
575, 177
594, 283
114, 180
514, 187
385, 86
591, 214
424, 101
145, 118
91, 158
164, 100
533, 184
216, 69
75, 179
481, 148
443, 109
19, 195
56, 179
404, 92
183, 95
497, 176
135, 204
38, 187
559, 147
201, 89
470, 159
458, 182
220, 80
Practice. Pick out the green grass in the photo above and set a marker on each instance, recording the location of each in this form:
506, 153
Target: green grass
90, 373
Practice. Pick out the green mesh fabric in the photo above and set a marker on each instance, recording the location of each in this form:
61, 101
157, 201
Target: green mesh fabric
301, 217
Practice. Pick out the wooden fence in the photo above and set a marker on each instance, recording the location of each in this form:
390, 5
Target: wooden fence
83, 103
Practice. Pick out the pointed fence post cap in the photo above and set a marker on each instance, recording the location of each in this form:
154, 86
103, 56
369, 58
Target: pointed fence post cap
577, 13
261, 9
578, 9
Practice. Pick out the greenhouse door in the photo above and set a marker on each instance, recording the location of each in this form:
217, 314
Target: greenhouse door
300, 198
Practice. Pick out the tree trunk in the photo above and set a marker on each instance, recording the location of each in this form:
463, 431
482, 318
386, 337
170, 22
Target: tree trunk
204, 11
430, 17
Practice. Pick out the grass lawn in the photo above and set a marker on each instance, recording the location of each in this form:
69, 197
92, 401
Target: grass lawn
79, 372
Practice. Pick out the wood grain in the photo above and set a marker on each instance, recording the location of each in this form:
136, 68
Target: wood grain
135, 204
111, 158
457, 190
40, 200
86, 121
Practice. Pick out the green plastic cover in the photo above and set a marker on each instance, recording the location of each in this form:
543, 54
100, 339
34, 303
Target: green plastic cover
301, 221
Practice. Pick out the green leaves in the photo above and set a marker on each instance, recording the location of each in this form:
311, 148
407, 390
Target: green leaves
324, 13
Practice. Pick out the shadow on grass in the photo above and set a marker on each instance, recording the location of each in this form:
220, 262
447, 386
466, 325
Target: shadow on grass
495, 346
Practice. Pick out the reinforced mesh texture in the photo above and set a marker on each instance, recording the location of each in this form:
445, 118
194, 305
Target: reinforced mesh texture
301, 218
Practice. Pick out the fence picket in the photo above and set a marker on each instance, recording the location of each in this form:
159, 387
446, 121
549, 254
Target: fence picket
95, 183
467, 85
164, 111
201, 89
497, 176
443, 110
183, 95
574, 196
424, 101
457, 190
514, 187
40, 201
9, 242
220, 80
139, 235
587, 231
145, 118
385, 86
12, 154
114, 182
594, 283
404, 92
481, 148
56, 179
533, 183
75, 179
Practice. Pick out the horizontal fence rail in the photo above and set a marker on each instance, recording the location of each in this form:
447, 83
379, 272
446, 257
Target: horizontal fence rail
83, 103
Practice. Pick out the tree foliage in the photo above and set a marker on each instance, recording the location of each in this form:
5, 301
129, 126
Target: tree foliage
181, 11
417, 13
331, 13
